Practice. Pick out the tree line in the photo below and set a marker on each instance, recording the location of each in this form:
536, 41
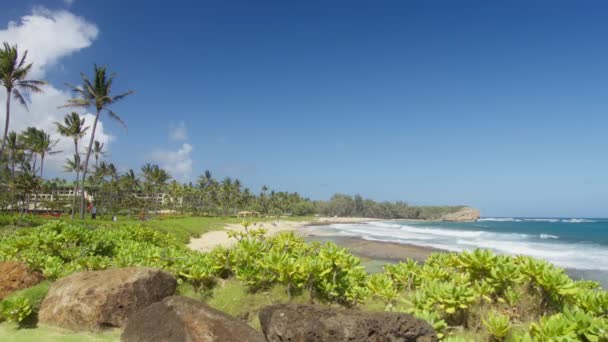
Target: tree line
148, 190
342, 205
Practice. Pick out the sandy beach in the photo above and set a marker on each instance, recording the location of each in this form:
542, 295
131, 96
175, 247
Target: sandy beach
210, 240
375, 250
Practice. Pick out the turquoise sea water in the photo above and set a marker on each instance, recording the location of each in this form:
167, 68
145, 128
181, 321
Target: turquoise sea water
579, 245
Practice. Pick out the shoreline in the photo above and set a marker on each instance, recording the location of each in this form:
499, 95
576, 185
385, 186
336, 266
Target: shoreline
207, 241
387, 252
378, 250
374, 254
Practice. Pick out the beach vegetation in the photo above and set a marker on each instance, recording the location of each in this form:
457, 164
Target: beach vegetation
498, 325
480, 293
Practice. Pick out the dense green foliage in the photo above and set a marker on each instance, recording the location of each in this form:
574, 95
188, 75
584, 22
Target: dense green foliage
497, 297
355, 206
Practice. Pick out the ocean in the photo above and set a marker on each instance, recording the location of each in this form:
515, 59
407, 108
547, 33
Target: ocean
579, 245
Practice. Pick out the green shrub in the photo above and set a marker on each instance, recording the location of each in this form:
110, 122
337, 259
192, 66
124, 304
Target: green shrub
15, 309
498, 325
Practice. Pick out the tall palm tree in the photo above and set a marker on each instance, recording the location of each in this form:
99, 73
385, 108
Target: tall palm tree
30, 138
40, 144
129, 181
98, 151
13, 77
14, 148
96, 94
205, 179
73, 127
74, 165
155, 179
45, 147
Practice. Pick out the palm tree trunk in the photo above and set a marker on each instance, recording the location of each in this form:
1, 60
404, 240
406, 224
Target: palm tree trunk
75, 192
77, 160
6, 121
86, 163
41, 165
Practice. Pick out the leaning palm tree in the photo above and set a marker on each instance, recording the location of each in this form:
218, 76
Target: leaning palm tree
13, 77
96, 94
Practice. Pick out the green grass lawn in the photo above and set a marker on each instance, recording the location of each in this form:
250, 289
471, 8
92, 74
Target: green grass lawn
182, 227
43, 333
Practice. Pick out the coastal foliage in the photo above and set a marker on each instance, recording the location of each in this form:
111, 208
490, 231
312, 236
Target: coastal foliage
356, 206
15, 309
502, 298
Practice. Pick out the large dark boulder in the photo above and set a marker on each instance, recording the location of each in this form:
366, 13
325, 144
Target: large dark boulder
309, 323
15, 276
104, 299
181, 319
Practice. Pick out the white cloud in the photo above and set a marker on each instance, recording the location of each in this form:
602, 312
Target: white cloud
177, 163
178, 132
48, 36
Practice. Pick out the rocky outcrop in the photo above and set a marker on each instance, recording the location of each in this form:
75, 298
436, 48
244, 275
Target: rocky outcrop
462, 215
15, 276
293, 322
181, 319
103, 299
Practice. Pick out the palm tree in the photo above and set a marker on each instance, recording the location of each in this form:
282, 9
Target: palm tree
226, 194
130, 181
96, 94
14, 147
155, 179
30, 138
205, 179
40, 144
26, 183
74, 165
13, 74
98, 151
73, 127
45, 147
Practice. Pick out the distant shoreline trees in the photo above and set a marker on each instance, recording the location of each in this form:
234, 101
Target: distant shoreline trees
22, 157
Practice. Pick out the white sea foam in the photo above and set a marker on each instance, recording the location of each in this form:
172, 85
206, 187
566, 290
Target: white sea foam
499, 219
574, 220
552, 220
584, 256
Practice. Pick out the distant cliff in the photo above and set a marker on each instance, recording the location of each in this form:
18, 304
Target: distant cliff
464, 214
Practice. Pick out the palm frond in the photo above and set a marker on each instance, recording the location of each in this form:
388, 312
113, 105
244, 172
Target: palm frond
76, 102
122, 96
19, 97
115, 117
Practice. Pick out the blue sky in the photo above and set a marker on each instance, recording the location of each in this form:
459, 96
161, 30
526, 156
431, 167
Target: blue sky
502, 105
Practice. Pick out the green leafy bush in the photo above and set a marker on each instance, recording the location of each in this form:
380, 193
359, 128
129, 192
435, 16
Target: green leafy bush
453, 292
16, 309
498, 325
